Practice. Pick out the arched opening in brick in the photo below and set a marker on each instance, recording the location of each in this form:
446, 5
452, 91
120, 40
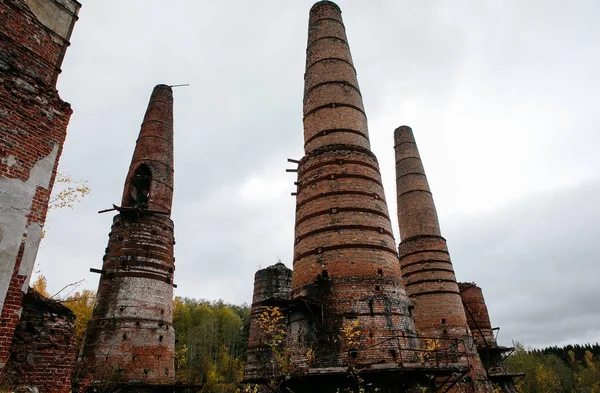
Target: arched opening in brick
139, 188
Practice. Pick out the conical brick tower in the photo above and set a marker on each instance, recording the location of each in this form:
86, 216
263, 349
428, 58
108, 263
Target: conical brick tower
427, 271
346, 271
130, 340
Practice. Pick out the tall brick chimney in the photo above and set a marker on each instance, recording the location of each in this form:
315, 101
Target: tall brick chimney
346, 270
130, 338
427, 271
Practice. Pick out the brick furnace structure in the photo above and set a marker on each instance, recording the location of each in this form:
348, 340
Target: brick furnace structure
344, 254
34, 36
348, 309
427, 271
130, 341
492, 355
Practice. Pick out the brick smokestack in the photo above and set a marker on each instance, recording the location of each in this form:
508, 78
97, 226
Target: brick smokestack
346, 270
427, 271
130, 338
478, 317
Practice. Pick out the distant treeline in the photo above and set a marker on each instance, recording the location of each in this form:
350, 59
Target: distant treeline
210, 343
565, 353
568, 369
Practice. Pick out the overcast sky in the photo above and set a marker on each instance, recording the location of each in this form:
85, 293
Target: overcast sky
502, 97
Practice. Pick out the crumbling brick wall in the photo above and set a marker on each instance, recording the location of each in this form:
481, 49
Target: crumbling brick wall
33, 122
43, 350
272, 283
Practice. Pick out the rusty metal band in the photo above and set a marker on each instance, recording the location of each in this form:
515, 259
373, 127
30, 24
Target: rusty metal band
345, 83
411, 191
157, 277
345, 247
424, 251
340, 210
135, 263
440, 280
345, 227
410, 173
422, 237
440, 292
323, 133
437, 269
339, 193
331, 37
168, 140
331, 58
338, 147
402, 143
337, 161
339, 176
334, 105
331, 19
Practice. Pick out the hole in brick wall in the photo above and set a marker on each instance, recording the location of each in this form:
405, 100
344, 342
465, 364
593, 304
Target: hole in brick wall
378, 287
371, 305
124, 336
380, 272
137, 323
444, 331
146, 371
139, 188
106, 358
393, 353
121, 309
162, 312
353, 353
324, 273
160, 338
166, 371
171, 269
443, 321
410, 308
370, 334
